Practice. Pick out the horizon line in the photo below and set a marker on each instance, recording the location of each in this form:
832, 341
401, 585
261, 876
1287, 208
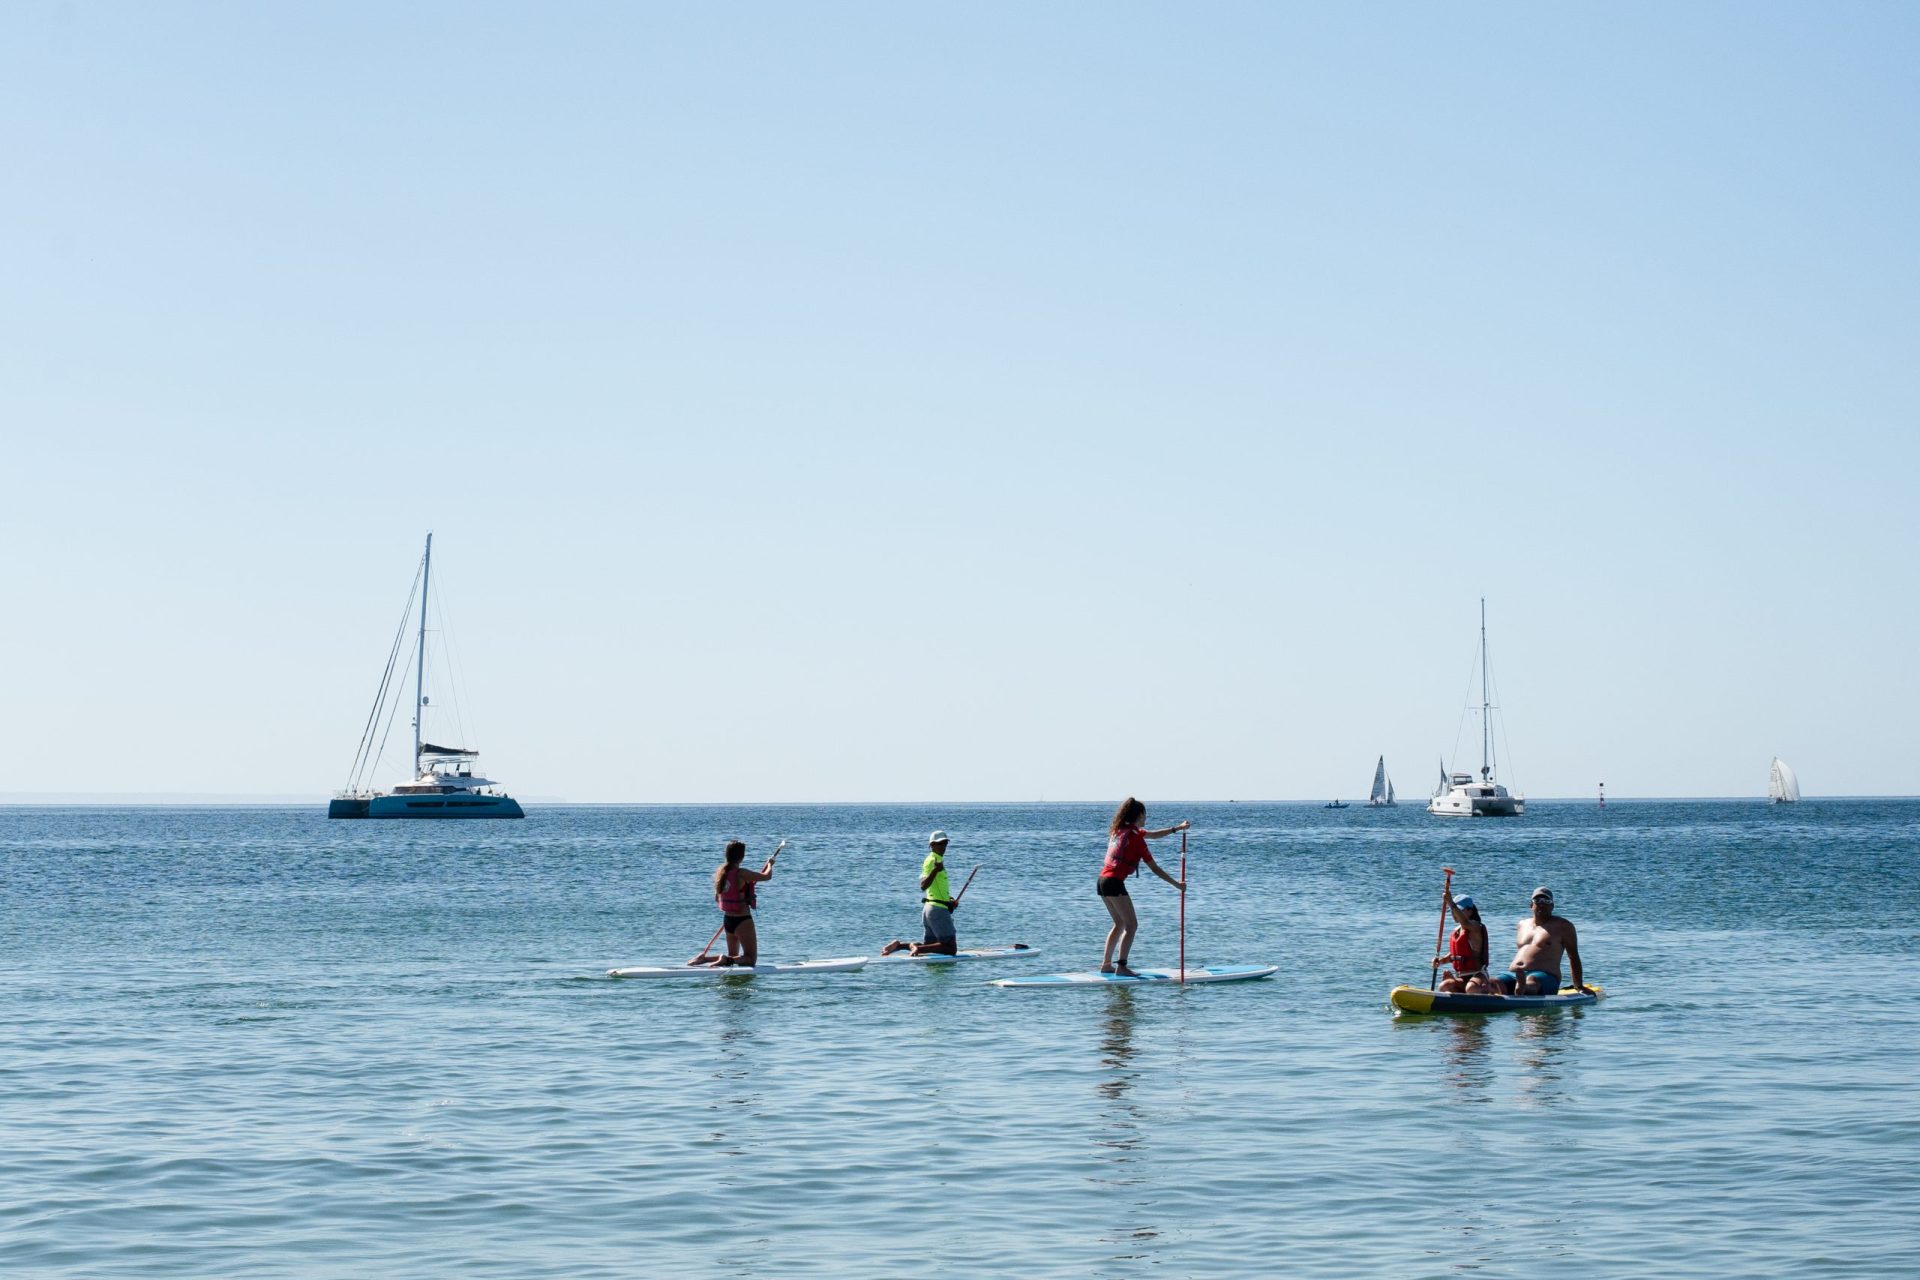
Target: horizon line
228, 800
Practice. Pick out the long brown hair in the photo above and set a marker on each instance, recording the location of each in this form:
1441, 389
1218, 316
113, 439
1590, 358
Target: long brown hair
1131, 813
736, 853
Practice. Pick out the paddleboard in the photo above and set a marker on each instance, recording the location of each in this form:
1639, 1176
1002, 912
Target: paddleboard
1421, 1000
1016, 951
843, 964
1145, 977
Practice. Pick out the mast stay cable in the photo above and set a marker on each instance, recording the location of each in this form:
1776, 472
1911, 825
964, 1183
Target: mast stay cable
361, 760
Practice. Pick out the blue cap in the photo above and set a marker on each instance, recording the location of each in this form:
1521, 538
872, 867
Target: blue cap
1464, 903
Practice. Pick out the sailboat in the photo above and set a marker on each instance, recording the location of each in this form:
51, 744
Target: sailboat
444, 784
1382, 795
1461, 795
1782, 786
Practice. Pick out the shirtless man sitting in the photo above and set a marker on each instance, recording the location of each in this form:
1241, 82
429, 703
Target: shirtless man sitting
1542, 937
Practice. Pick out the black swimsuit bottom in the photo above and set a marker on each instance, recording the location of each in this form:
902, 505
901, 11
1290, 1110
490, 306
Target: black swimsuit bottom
1112, 887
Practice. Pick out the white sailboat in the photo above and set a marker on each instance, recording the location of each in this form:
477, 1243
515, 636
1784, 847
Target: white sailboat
1461, 795
1381, 796
1782, 786
444, 784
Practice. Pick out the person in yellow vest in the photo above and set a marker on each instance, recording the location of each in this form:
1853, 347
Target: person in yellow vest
936, 906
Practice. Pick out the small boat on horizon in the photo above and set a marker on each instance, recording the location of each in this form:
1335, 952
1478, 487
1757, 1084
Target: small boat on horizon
1782, 786
1381, 797
1461, 795
444, 784
1336, 804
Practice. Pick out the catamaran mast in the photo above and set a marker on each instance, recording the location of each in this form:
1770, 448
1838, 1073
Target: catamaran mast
1486, 722
420, 664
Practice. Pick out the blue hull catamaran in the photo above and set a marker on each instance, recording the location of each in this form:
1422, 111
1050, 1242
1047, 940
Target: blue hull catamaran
444, 784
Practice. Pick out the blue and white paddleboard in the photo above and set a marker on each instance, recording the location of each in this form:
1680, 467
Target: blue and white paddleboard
1145, 977
842, 965
1014, 951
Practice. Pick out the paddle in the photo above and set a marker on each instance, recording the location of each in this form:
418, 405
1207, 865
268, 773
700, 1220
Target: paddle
702, 957
963, 888
1183, 906
1446, 900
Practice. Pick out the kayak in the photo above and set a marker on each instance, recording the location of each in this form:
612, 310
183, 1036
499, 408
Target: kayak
844, 964
1421, 1000
1146, 977
1013, 951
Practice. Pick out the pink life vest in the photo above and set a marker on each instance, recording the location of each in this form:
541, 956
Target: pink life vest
736, 897
1126, 850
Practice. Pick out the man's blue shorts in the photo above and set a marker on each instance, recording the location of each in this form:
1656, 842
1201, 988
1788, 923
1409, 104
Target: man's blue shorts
1549, 982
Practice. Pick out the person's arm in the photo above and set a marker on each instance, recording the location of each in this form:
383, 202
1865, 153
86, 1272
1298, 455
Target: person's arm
1573, 957
1158, 835
1157, 870
927, 879
764, 873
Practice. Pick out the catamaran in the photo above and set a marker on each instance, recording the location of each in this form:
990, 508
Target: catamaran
1461, 795
1382, 795
444, 783
1782, 786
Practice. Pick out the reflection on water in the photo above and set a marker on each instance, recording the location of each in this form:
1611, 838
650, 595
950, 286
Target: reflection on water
1121, 1145
1542, 1042
1116, 1043
1469, 1061
733, 1074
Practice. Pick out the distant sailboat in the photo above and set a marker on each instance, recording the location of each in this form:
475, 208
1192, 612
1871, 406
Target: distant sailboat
1782, 786
444, 784
1461, 795
1382, 795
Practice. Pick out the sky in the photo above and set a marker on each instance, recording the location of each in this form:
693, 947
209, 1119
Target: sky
866, 402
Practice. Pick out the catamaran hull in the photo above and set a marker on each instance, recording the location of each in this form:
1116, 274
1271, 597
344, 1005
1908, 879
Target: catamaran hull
1498, 807
436, 807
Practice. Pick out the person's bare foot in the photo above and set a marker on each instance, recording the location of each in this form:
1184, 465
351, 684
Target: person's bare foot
891, 947
1121, 970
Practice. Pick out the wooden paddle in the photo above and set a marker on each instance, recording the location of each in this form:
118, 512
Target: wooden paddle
1446, 901
701, 958
963, 888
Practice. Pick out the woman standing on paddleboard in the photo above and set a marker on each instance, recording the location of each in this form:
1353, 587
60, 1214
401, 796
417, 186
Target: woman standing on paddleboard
734, 893
1126, 850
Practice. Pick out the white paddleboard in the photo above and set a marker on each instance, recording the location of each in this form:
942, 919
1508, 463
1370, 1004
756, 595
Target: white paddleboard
843, 964
1017, 951
1146, 977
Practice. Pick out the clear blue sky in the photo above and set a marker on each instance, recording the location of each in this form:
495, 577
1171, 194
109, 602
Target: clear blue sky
837, 402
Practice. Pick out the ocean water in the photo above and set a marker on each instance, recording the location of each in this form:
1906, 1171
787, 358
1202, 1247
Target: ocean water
251, 1042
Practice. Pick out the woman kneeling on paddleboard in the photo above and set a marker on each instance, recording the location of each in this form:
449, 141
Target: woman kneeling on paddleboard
735, 895
1467, 951
1126, 850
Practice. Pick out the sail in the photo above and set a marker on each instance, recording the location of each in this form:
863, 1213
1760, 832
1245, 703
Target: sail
428, 749
1445, 781
1389, 790
1379, 793
1782, 786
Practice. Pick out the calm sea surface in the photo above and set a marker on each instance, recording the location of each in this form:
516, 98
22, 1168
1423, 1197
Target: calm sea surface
250, 1042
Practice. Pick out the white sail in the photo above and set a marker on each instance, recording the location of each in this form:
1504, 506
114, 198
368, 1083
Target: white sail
1379, 793
1389, 790
1782, 786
